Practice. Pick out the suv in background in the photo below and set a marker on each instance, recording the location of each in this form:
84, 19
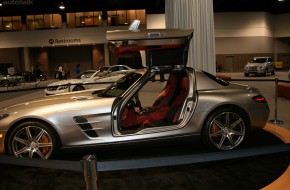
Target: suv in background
260, 66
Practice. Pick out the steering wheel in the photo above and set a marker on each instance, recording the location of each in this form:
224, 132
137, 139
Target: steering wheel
135, 103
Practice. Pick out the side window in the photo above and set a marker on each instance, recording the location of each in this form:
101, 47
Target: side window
270, 60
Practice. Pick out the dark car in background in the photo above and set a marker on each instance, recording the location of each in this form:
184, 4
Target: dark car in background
30, 76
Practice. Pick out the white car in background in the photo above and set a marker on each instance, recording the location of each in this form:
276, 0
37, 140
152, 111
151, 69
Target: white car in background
102, 78
260, 66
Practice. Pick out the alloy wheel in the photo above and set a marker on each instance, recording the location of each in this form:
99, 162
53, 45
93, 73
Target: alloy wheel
32, 141
226, 131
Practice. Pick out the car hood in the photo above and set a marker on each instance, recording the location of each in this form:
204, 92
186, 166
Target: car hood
65, 82
63, 101
255, 64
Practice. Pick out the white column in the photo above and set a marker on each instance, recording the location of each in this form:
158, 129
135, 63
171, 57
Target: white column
197, 15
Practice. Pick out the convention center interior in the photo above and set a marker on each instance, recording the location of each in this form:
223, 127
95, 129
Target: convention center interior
144, 94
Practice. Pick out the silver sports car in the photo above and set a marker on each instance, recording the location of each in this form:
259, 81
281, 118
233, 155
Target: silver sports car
138, 107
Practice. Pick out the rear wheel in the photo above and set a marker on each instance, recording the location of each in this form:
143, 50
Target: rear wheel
32, 140
225, 129
78, 88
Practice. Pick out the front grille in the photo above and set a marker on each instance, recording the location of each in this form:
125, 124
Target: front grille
53, 88
253, 69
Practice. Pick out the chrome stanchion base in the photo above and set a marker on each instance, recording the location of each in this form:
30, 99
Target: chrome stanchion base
276, 121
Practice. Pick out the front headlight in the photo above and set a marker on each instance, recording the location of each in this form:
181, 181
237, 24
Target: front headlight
3, 116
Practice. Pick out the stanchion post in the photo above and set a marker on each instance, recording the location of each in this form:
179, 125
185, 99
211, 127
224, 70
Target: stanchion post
90, 172
68, 86
275, 120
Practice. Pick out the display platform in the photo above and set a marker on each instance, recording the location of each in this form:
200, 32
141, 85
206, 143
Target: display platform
268, 172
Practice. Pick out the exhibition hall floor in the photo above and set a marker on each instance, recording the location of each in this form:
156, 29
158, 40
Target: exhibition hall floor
268, 172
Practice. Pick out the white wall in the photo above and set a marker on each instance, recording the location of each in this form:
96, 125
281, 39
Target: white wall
155, 21
226, 25
251, 33
244, 24
38, 38
282, 25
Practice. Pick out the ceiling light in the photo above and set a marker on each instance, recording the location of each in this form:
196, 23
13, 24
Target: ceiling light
1, 4
61, 6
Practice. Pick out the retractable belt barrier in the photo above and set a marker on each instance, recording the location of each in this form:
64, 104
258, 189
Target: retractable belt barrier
90, 166
114, 165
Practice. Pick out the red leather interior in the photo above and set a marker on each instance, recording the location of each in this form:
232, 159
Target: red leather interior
167, 94
167, 106
177, 103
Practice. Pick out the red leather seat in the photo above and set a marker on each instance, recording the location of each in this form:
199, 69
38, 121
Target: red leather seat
168, 109
167, 95
160, 106
176, 106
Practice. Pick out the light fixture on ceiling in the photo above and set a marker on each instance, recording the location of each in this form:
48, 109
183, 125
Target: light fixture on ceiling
1, 4
280, 0
61, 6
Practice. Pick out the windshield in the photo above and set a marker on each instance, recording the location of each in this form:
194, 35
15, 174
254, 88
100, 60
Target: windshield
119, 87
85, 74
259, 60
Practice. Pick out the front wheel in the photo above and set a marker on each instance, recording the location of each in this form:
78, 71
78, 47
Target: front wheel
266, 72
32, 140
273, 72
5, 82
225, 129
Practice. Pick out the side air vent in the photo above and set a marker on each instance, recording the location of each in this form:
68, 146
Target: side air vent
85, 126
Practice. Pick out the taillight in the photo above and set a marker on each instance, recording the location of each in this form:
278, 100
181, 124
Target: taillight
259, 99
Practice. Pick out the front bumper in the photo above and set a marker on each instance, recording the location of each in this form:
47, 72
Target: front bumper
254, 71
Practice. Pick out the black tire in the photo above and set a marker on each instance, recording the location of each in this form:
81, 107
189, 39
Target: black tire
5, 82
33, 140
273, 72
224, 129
78, 88
266, 72
246, 74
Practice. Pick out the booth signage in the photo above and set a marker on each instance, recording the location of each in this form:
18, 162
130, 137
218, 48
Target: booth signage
17, 2
64, 41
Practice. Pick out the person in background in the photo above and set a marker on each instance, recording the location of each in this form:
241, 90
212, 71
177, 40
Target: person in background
64, 71
59, 72
37, 72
